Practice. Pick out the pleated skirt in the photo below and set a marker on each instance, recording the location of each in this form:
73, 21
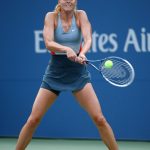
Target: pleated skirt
63, 74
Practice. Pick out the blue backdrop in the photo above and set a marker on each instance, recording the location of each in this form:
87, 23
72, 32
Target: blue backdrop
120, 28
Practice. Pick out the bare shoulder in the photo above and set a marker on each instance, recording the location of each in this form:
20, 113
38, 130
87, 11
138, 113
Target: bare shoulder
81, 13
50, 15
51, 18
82, 16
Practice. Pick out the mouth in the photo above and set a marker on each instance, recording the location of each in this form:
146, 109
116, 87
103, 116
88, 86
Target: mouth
68, 5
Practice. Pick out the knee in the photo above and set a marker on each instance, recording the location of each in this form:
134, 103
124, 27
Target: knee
33, 121
100, 120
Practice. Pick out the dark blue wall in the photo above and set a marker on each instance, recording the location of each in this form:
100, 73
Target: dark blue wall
124, 25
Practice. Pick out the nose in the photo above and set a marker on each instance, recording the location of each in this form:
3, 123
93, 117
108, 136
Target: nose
67, 0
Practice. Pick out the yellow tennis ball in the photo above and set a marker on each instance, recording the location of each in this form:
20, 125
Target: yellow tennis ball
108, 64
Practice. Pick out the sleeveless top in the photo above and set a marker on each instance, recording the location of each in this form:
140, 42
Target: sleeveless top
61, 73
72, 38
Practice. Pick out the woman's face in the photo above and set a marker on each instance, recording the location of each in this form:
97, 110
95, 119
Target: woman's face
67, 5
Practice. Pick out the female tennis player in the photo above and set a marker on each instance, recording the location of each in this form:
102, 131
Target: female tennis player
63, 32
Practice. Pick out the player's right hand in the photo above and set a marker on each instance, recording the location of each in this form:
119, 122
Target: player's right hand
71, 54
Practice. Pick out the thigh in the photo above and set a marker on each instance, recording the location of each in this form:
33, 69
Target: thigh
43, 101
88, 100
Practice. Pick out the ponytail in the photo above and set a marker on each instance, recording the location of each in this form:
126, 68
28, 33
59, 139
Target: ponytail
57, 8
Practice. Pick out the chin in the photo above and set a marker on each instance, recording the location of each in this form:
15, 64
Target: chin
68, 9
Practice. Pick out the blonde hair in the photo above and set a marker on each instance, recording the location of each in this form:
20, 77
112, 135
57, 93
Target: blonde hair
58, 8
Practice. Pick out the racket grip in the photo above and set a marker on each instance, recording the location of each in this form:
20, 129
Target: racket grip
86, 61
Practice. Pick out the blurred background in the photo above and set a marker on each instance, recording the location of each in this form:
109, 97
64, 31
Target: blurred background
120, 28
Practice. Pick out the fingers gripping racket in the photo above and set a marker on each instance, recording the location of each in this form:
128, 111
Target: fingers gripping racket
117, 71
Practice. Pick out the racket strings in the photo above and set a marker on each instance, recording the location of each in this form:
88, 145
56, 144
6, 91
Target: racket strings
120, 73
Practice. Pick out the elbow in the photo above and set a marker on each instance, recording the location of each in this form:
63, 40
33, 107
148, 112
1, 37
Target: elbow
49, 45
89, 41
46, 45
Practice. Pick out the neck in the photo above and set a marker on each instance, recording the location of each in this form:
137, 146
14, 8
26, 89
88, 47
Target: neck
66, 15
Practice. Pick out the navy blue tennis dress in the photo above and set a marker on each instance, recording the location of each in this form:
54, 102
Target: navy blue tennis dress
61, 73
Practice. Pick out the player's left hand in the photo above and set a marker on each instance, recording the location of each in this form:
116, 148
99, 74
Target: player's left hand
81, 59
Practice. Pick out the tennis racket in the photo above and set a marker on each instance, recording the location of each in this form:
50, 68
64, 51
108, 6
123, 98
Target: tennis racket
120, 74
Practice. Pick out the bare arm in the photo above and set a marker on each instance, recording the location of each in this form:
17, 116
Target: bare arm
48, 34
87, 36
86, 31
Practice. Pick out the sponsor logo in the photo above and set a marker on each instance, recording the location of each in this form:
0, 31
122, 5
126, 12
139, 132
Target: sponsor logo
133, 41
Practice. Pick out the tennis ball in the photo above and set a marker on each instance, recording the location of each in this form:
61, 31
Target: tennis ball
108, 64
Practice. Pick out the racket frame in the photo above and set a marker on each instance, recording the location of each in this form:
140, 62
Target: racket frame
90, 62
